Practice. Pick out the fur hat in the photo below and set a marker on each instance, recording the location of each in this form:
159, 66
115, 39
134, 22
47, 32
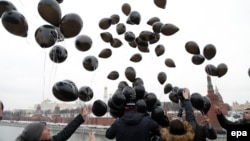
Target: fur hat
32, 132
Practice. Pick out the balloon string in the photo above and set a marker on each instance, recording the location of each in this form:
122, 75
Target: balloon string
44, 71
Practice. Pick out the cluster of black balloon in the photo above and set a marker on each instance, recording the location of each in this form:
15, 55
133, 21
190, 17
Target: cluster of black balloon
12, 20
136, 95
58, 28
141, 42
199, 102
209, 51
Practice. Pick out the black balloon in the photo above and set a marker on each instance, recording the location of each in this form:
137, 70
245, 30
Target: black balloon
126, 9
207, 104
120, 28
169, 29
162, 77
129, 36
59, 1
118, 98
105, 23
116, 43
99, 108
141, 106
209, 51
152, 20
138, 81
134, 17
157, 113
85, 93
83, 43
249, 72
58, 54
15, 23
168, 88
90, 63
197, 59
211, 70
130, 94
116, 113
50, 11
221, 69
46, 36
136, 57
122, 85
105, 53
170, 63
6, 6
140, 91
71, 25
159, 50
65, 90
150, 99
113, 75
157, 27
106, 36
115, 19
197, 101
192, 47
160, 3
174, 97
146, 35
130, 74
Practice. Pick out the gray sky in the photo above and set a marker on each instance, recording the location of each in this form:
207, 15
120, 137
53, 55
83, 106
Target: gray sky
27, 74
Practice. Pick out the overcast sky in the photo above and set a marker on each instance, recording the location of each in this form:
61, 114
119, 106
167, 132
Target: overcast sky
27, 74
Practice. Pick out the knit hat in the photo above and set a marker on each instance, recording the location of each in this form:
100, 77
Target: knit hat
176, 127
32, 132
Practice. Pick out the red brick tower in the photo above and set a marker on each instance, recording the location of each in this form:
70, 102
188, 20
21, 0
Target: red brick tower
216, 99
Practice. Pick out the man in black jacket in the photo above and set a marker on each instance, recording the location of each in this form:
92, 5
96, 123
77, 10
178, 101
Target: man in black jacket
132, 126
236, 131
40, 132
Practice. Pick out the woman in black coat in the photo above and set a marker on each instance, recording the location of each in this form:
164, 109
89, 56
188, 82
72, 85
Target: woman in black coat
40, 132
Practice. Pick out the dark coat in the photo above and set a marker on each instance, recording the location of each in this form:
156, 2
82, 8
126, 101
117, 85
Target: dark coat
203, 132
132, 126
67, 131
232, 127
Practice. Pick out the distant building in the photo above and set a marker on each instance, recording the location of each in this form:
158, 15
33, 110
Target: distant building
239, 107
216, 99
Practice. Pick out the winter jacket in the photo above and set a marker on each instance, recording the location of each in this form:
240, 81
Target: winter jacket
236, 131
132, 126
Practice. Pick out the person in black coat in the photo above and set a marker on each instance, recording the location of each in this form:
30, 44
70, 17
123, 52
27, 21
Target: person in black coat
239, 130
132, 126
38, 131
204, 130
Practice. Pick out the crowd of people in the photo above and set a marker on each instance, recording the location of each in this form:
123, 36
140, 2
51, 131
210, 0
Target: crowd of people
140, 126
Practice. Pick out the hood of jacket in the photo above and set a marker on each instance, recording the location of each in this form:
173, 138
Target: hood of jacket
187, 136
132, 118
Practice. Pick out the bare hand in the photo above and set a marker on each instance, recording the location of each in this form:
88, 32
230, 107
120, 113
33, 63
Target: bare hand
84, 112
92, 136
217, 110
186, 93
